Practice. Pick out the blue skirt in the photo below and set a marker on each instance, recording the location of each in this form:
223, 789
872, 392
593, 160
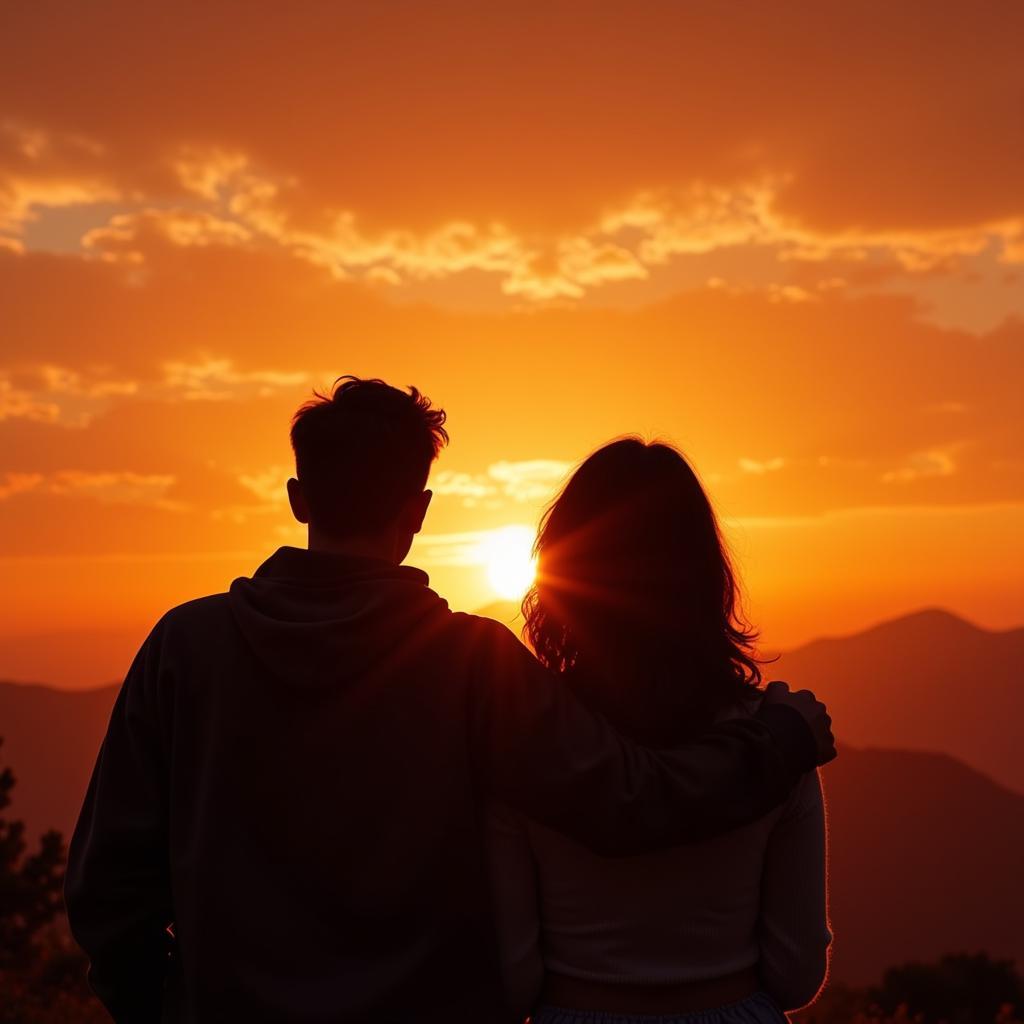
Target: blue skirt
756, 1009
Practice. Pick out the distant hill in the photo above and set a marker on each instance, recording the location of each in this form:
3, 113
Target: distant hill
926, 859
926, 850
100, 655
51, 738
927, 681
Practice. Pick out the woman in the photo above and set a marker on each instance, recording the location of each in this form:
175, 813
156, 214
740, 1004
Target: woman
634, 584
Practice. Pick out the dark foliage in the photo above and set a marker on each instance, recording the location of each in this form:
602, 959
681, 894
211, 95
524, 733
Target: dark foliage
960, 989
42, 972
30, 884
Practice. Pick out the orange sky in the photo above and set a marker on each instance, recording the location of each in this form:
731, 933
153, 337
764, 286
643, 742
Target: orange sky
788, 237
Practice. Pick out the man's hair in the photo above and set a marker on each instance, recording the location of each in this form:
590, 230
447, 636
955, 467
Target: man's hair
361, 451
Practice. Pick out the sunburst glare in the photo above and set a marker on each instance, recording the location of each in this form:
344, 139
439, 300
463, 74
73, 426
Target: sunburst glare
507, 555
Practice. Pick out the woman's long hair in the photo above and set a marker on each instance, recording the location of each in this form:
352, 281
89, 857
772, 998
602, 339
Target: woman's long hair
635, 600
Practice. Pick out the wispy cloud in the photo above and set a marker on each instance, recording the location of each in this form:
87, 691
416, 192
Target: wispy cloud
471, 487
232, 201
934, 462
52, 393
469, 548
531, 480
760, 467
220, 380
19, 403
18, 483
124, 237
269, 485
116, 488
57, 394
43, 169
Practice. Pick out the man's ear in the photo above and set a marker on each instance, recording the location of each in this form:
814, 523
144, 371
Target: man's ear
417, 510
297, 500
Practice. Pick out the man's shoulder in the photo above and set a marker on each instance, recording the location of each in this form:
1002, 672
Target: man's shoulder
482, 629
196, 613
182, 628
485, 642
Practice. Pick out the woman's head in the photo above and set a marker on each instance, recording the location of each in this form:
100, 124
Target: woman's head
635, 597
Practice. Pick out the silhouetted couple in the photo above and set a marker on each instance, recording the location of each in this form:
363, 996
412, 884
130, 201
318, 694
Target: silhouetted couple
324, 797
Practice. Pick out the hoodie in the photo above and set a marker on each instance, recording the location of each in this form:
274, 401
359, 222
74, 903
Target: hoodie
285, 819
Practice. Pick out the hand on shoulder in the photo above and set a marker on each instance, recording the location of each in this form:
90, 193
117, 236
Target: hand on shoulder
813, 712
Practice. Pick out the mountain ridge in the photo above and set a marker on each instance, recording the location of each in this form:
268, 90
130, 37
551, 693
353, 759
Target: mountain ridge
907, 624
925, 839
927, 681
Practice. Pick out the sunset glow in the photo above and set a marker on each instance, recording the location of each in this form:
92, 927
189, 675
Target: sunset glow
508, 556
801, 262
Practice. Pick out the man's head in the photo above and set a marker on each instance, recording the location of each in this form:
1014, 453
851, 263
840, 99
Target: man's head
362, 457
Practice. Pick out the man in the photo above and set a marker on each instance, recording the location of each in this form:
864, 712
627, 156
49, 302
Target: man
284, 822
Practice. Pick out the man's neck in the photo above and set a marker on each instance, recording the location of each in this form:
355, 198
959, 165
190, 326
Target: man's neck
379, 547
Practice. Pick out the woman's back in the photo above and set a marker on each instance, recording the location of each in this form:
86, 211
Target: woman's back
753, 898
636, 606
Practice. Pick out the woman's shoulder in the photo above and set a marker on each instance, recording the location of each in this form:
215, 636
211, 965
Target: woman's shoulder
806, 796
743, 708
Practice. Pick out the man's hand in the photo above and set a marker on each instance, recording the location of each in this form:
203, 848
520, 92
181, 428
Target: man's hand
814, 713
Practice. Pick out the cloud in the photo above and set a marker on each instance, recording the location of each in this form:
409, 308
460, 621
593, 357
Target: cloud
219, 380
17, 403
236, 203
528, 481
530, 239
42, 169
118, 488
21, 198
628, 243
696, 219
587, 263
471, 487
864, 135
62, 380
18, 483
49, 393
195, 371
124, 236
525, 282
1013, 244
921, 465
532, 480
450, 549
269, 485
208, 173
763, 466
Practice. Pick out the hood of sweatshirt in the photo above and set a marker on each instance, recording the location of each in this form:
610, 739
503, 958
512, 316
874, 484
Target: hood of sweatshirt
314, 618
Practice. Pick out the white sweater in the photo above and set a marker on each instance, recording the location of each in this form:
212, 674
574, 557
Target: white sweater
756, 896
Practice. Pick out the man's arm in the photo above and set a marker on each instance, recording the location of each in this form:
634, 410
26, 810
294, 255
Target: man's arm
542, 752
117, 889
515, 902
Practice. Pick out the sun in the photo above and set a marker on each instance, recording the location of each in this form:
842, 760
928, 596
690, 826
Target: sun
508, 556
